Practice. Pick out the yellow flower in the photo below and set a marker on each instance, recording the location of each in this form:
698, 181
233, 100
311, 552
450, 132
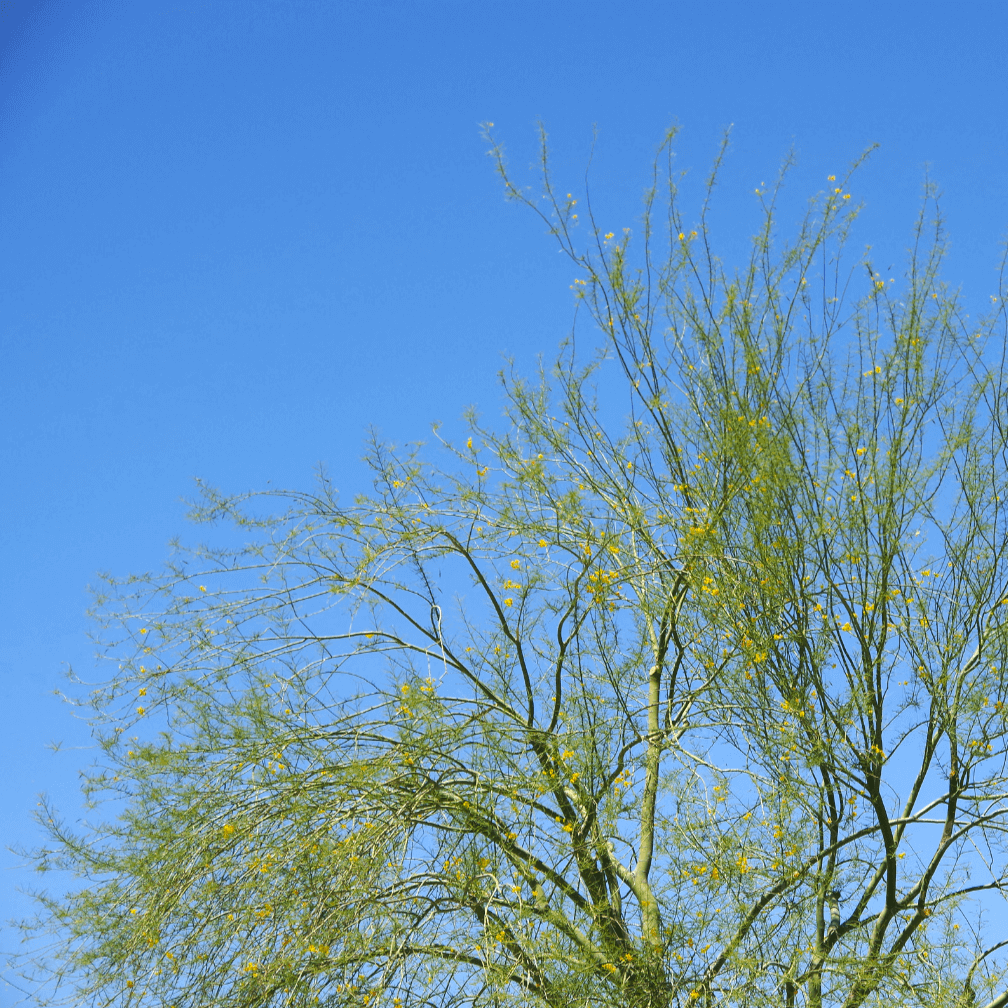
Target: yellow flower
469, 443
143, 630
141, 711
143, 691
515, 564
846, 196
542, 544
681, 236
831, 178
202, 588
846, 626
508, 602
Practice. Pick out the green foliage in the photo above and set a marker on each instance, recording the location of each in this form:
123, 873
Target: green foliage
700, 706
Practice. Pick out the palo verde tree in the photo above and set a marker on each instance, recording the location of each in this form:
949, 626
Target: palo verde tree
703, 708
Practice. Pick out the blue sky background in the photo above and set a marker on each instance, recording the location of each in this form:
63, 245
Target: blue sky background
234, 234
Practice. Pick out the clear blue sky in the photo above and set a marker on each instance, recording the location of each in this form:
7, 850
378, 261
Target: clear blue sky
235, 233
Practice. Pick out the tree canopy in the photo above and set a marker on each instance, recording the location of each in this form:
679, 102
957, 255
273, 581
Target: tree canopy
683, 688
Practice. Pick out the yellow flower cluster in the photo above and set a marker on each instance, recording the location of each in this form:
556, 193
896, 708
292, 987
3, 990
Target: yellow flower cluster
599, 584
